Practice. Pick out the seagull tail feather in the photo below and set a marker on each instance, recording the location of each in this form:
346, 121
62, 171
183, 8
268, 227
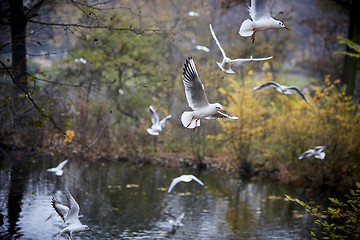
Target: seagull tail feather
246, 29
187, 117
320, 156
152, 132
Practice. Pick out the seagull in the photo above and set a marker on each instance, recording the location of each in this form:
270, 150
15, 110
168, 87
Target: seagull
282, 89
184, 178
316, 152
70, 215
175, 221
80, 60
157, 125
261, 20
227, 63
193, 14
202, 48
58, 169
197, 100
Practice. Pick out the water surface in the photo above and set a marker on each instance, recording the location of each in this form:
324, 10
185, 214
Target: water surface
121, 201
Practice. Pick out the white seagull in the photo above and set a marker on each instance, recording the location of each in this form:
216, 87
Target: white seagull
282, 89
80, 60
70, 215
184, 178
193, 14
175, 221
316, 152
202, 48
197, 100
227, 63
157, 124
58, 170
261, 20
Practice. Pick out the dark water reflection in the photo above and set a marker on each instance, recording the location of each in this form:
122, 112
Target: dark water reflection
119, 201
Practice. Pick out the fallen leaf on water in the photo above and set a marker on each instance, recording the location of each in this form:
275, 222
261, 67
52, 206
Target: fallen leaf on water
184, 194
272, 197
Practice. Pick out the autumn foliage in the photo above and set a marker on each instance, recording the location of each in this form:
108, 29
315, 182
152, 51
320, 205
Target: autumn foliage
274, 129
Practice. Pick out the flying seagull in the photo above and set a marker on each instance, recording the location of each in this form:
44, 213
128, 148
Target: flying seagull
184, 178
80, 60
282, 89
316, 152
157, 124
175, 221
69, 214
58, 170
261, 20
227, 63
197, 100
202, 48
193, 14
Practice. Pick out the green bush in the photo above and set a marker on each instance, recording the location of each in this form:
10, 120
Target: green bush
343, 217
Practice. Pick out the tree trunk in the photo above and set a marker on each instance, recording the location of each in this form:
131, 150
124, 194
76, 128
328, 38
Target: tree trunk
350, 64
18, 37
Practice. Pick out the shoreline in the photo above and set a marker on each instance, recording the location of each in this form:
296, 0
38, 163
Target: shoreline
281, 174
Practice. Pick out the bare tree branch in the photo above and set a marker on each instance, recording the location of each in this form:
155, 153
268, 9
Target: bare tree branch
44, 114
126, 29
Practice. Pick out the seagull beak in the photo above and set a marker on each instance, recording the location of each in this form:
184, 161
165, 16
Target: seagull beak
286, 28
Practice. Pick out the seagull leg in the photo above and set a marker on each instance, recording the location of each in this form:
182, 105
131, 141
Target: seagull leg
190, 122
253, 36
195, 124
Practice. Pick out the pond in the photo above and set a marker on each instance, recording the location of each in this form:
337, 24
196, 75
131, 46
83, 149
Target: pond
122, 201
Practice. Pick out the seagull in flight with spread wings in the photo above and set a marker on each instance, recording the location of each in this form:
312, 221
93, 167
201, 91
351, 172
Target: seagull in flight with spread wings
227, 63
69, 214
282, 89
184, 178
317, 152
197, 100
58, 170
157, 124
175, 221
261, 20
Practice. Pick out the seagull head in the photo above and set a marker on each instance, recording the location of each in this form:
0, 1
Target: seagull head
282, 25
218, 107
86, 228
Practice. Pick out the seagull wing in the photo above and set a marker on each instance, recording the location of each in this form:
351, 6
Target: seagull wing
217, 41
74, 209
196, 179
298, 92
239, 61
267, 85
194, 89
180, 217
306, 154
319, 148
60, 208
62, 164
164, 121
259, 9
220, 114
154, 116
173, 183
169, 215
